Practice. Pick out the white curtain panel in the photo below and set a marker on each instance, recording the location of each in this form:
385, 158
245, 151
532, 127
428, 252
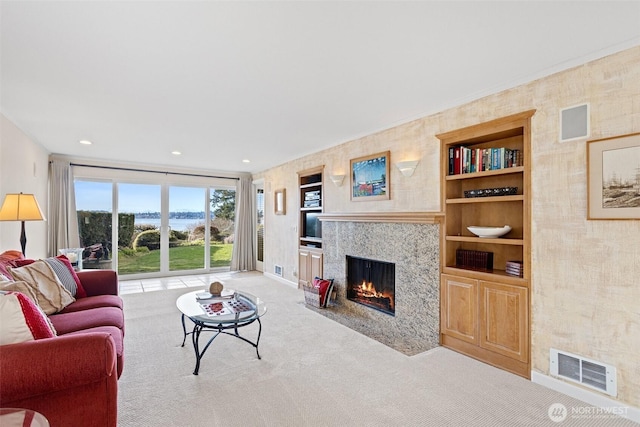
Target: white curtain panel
63, 219
243, 257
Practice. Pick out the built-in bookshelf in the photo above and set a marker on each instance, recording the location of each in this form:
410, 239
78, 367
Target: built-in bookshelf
309, 226
485, 178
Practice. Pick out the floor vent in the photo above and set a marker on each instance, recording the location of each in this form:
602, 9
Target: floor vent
277, 270
596, 375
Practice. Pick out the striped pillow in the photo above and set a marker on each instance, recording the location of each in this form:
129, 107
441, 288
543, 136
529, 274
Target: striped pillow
63, 274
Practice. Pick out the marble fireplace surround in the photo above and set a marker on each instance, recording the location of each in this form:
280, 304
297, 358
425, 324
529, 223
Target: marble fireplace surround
411, 240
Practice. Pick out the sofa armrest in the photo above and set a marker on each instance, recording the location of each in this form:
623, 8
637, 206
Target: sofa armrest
99, 282
52, 365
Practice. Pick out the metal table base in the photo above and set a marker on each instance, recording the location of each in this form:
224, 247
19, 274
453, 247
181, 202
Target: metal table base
199, 327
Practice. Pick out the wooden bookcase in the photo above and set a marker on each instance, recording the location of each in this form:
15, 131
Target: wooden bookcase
310, 257
485, 311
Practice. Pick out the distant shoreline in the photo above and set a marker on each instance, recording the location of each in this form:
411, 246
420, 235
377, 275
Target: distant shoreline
178, 224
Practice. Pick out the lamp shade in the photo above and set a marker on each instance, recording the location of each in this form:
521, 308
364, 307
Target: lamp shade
20, 207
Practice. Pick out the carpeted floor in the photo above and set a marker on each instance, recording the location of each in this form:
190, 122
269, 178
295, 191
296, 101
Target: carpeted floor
313, 372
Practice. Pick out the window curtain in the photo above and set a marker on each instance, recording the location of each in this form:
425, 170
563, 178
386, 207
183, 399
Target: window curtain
63, 219
243, 257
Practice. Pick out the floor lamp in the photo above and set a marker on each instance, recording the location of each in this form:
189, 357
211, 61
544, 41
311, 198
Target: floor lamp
21, 207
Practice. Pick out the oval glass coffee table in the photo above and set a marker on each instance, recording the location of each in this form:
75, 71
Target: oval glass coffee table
220, 315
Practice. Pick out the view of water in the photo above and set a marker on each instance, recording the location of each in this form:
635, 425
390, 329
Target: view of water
178, 224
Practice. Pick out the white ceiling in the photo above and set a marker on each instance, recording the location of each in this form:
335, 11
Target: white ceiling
273, 81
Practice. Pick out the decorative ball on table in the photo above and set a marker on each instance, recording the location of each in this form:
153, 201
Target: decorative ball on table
215, 288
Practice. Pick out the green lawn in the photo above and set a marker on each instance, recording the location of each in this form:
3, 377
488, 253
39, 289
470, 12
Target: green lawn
180, 258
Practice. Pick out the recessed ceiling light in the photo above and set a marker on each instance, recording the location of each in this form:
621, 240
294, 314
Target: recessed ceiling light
85, 142
246, 161
176, 152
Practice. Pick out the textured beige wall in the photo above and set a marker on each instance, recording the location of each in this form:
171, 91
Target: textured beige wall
585, 290
585, 294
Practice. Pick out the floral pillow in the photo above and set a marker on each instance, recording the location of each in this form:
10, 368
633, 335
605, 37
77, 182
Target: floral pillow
6, 260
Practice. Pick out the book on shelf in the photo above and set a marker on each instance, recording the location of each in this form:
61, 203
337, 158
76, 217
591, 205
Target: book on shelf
474, 259
515, 273
469, 160
514, 268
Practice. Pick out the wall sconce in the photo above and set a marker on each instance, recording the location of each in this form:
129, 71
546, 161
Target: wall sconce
407, 167
337, 179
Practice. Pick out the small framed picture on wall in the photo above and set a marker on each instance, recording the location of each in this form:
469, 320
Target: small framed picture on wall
613, 177
370, 177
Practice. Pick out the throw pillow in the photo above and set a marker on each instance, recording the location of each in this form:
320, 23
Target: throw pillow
324, 287
22, 320
65, 272
6, 260
22, 287
52, 296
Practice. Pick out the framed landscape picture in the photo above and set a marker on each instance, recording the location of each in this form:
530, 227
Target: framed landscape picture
613, 177
370, 177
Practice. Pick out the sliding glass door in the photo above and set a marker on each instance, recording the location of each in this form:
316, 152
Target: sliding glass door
139, 228
94, 206
187, 228
160, 228
223, 209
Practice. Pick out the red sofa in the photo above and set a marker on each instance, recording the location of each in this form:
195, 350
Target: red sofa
72, 378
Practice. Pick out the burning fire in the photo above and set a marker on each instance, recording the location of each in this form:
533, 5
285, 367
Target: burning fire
368, 290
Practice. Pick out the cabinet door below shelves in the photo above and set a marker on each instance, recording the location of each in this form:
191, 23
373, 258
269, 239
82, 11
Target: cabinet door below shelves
316, 265
504, 320
304, 263
310, 266
459, 308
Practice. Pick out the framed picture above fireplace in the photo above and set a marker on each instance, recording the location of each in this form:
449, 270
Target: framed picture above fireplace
370, 177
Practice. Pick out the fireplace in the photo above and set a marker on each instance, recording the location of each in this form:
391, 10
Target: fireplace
372, 283
409, 240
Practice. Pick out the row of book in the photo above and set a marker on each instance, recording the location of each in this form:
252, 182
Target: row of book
474, 259
515, 268
469, 160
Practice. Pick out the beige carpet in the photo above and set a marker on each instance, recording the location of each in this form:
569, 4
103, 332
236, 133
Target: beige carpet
313, 372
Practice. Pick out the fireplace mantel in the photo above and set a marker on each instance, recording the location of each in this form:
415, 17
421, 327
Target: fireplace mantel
394, 217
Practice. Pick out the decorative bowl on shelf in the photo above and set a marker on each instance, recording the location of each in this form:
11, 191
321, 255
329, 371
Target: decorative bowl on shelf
489, 232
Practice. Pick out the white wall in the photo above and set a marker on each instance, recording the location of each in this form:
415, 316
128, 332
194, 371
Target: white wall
23, 168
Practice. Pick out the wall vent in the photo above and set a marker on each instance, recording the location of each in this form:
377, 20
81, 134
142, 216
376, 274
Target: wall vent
596, 375
277, 270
